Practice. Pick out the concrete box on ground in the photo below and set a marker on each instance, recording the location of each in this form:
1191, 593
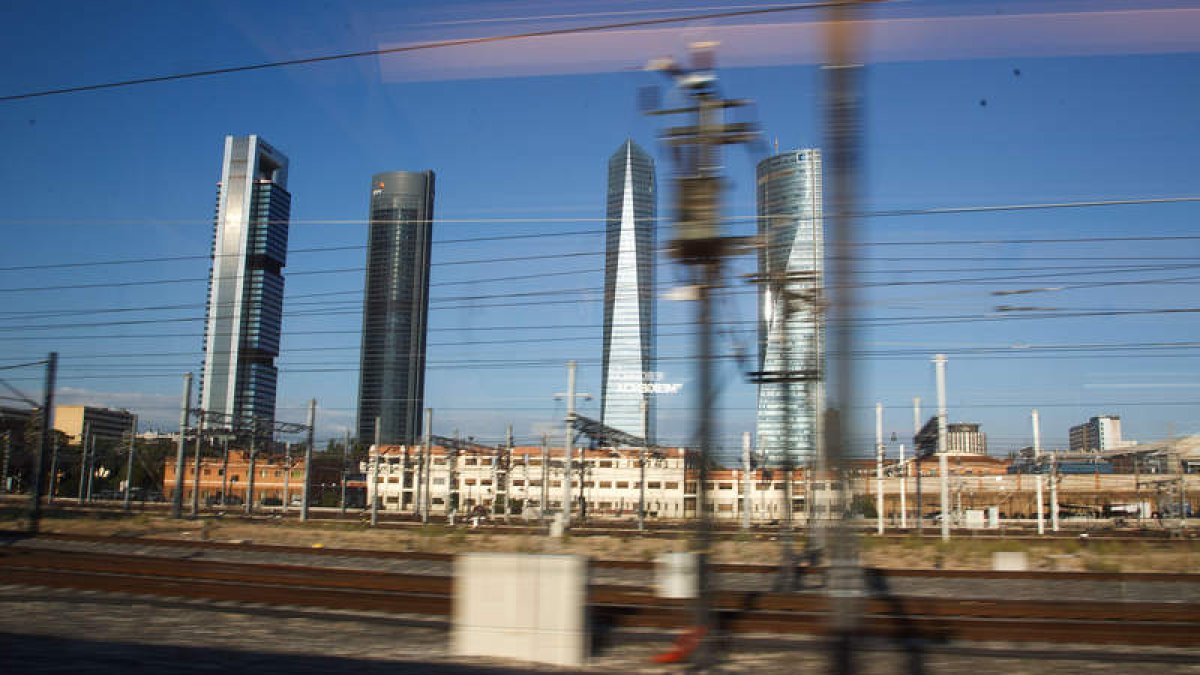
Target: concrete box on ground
974, 519
521, 606
993, 517
677, 575
1010, 561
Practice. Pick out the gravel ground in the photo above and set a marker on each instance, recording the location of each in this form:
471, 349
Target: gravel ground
56, 631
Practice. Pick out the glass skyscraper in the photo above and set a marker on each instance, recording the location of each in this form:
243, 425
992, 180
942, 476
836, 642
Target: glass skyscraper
629, 291
790, 266
245, 295
396, 307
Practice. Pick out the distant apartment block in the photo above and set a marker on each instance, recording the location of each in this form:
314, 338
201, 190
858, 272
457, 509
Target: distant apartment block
629, 292
396, 307
1098, 434
100, 423
245, 295
962, 438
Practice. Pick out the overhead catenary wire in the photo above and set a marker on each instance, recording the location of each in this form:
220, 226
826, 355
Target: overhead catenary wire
1114, 350
439, 44
736, 219
589, 294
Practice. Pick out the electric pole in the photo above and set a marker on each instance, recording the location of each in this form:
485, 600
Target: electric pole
196, 465
374, 491
641, 514
903, 489
177, 498
939, 363
879, 467
308, 453
564, 518
1054, 491
1037, 462
747, 480
843, 128
567, 451
545, 476
698, 243
129, 460
39, 469
252, 467
427, 464
345, 456
917, 456
84, 441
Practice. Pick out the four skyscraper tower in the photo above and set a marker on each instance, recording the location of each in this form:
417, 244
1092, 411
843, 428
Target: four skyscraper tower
245, 302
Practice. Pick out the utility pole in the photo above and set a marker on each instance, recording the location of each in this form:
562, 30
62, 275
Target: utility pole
7, 456
345, 457
374, 491
224, 471
196, 465
91, 467
177, 498
418, 464
545, 476
641, 514
747, 480
939, 362
1037, 459
252, 467
503, 470
917, 461
903, 491
83, 461
452, 482
844, 127
52, 490
698, 243
427, 463
39, 469
308, 453
287, 475
567, 451
1054, 491
129, 461
879, 468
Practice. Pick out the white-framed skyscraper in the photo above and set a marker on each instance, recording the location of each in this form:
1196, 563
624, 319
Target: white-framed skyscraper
629, 291
790, 265
245, 294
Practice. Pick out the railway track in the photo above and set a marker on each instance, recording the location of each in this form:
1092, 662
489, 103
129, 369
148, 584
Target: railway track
899, 618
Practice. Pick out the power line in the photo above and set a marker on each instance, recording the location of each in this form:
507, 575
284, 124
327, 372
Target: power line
576, 254
1094, 350
440, 44
877, 213
298, 251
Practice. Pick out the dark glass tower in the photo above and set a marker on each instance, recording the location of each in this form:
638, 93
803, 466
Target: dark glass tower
245, 296
629, 291
791, 266
396, 307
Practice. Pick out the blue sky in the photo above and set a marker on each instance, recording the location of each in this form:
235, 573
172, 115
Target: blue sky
970, 104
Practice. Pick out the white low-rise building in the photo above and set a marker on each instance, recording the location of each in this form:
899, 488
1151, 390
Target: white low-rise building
606, 483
